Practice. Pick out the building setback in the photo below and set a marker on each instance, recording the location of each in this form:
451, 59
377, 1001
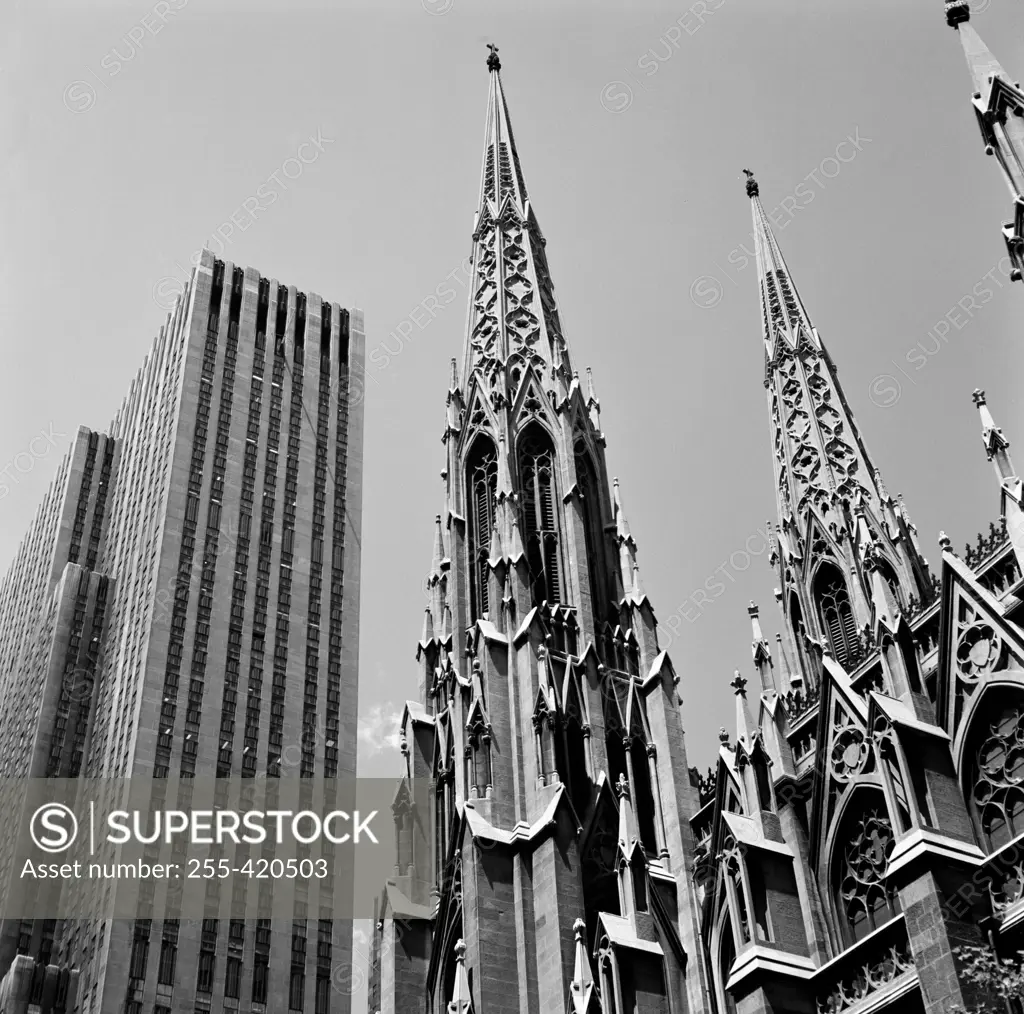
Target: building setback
187, 601
866, 817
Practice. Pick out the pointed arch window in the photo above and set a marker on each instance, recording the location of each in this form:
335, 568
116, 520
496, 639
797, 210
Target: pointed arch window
836, 614
593, 531
726, 959
544, 723
616, 735
995, 769
741, 900
478, 757
864, 900
575, 733
765, 797
643, 794
608, 974
540, 514
481, 490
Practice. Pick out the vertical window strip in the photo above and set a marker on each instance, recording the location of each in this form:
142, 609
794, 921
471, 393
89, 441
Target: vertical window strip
101, 504
266, 544
172, 673
333, 727
204, 611
229, 700
309, 702
284, 586
83, 500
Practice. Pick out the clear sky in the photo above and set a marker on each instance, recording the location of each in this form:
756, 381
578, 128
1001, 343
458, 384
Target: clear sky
132, 132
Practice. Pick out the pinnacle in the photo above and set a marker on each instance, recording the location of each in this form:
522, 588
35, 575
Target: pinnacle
621, 524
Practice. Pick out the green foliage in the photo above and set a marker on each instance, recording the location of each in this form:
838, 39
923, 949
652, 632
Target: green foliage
1001, 979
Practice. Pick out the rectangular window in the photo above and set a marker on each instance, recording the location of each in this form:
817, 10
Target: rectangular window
296, 989
168, 957
260, 975
204, 978
233, 978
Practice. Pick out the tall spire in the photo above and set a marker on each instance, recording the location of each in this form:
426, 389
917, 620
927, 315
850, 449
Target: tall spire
513, 319
830, 497
999, 106
820, 458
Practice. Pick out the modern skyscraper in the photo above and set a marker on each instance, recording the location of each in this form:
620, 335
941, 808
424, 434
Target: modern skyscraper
187, 602
865, 822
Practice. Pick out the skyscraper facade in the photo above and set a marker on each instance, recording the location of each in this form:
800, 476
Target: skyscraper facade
187, 602
862, 824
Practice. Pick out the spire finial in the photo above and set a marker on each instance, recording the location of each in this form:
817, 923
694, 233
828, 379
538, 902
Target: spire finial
957, 12
493, 63
739, 684
752, 188
979, 397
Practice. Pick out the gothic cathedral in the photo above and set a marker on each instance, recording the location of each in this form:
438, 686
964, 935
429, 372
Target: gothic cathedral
866, 816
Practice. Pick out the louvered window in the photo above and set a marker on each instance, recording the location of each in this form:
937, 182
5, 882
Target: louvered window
837, 618
481, 485
540, 515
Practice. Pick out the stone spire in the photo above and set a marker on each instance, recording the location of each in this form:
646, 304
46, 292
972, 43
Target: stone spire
513, 320
999, 106
996, 445
582, 988
823, 474
820, 458
1011, 489
746, 729
761, 652
461, 1001
629, 570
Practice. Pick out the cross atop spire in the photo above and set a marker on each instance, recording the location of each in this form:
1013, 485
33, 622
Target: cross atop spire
513, 318
785, 316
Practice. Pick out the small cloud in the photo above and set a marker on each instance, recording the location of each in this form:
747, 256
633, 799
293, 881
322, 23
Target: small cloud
379, 730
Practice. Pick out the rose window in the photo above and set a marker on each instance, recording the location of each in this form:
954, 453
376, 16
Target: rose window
850, 751
998, 794
978, 651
